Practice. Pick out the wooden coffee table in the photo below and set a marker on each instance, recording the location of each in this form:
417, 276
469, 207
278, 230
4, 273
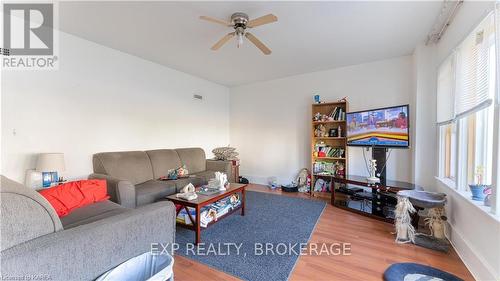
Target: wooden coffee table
204, 200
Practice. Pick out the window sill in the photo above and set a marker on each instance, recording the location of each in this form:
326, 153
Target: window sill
467, 196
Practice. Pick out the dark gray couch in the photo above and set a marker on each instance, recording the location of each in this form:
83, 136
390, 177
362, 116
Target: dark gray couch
81, 246
132, 176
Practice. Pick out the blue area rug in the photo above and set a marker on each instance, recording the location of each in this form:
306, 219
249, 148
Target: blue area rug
268, 218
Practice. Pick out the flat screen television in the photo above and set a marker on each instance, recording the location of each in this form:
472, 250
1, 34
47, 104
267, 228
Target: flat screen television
383, 127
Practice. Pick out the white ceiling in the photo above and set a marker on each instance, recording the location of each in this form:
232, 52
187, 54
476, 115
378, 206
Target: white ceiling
309, 36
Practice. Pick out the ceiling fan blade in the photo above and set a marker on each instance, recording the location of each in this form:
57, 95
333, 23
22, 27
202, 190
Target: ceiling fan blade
262, 20
222, 41
223, 22
257, 43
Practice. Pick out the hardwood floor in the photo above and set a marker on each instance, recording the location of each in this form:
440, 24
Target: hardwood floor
372, 251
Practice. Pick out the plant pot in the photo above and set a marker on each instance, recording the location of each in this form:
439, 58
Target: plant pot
477, 192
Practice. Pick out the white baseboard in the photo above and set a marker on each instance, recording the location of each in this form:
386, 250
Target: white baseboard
257, 179
476, 264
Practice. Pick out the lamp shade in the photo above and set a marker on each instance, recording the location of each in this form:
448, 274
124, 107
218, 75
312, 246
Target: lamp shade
50, 162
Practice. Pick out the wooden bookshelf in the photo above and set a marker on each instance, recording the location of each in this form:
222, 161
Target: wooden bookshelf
331, 141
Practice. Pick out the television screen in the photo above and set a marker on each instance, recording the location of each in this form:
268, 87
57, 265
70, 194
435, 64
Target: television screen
384, 127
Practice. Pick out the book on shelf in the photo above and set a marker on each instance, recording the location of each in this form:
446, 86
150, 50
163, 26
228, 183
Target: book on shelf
338, 114
324, 168
323, 150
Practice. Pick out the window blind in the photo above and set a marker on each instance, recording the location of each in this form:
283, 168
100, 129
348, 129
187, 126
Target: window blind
497, 49
475, 64
445, 91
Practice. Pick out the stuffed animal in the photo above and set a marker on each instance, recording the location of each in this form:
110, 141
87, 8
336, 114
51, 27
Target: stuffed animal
340, 171
302, 180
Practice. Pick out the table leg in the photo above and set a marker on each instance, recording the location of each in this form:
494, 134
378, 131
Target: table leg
243, 202
197, 225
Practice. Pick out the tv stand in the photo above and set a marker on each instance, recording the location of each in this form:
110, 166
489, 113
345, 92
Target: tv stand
380, 154
376, 200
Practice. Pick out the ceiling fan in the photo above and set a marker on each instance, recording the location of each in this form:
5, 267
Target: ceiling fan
240, 22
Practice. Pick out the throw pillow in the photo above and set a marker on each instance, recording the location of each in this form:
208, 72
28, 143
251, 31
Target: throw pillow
72, 195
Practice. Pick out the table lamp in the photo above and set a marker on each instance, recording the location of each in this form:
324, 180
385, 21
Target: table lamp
49, 164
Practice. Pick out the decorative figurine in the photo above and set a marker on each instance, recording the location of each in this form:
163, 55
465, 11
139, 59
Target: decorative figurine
188, 192
317, 117
373, 169
317, 99
219, 182
405, 232
320, 131
487, 198
225, 153
435, 221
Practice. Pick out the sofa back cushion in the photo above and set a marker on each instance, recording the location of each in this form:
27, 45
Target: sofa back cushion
163, 160
133, 166
194, 159
25, 214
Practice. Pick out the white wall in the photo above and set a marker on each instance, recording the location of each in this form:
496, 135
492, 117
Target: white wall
104, 100
474, 233
271, 121
425, 136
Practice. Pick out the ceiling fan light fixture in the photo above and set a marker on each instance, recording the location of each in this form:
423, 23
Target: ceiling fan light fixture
240, 40
240, 22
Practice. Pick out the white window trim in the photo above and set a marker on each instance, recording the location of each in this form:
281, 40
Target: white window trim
460, 184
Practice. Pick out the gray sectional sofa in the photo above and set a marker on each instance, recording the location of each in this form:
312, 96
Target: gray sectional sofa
132, 176
37, 245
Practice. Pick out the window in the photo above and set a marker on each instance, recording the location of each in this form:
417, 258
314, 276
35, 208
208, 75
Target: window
466, 89
476, 147
448, 147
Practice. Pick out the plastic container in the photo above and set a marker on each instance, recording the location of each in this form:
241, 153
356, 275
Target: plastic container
145, 267
272, 182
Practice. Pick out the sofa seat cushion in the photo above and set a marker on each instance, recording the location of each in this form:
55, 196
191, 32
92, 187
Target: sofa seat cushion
205, 175
196, 181
91, 213
153, 190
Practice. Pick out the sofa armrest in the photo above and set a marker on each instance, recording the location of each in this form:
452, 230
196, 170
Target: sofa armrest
85, 252
221, 166
120, 191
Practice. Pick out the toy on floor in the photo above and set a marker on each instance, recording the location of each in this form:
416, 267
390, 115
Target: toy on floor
303, 180
322, 186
